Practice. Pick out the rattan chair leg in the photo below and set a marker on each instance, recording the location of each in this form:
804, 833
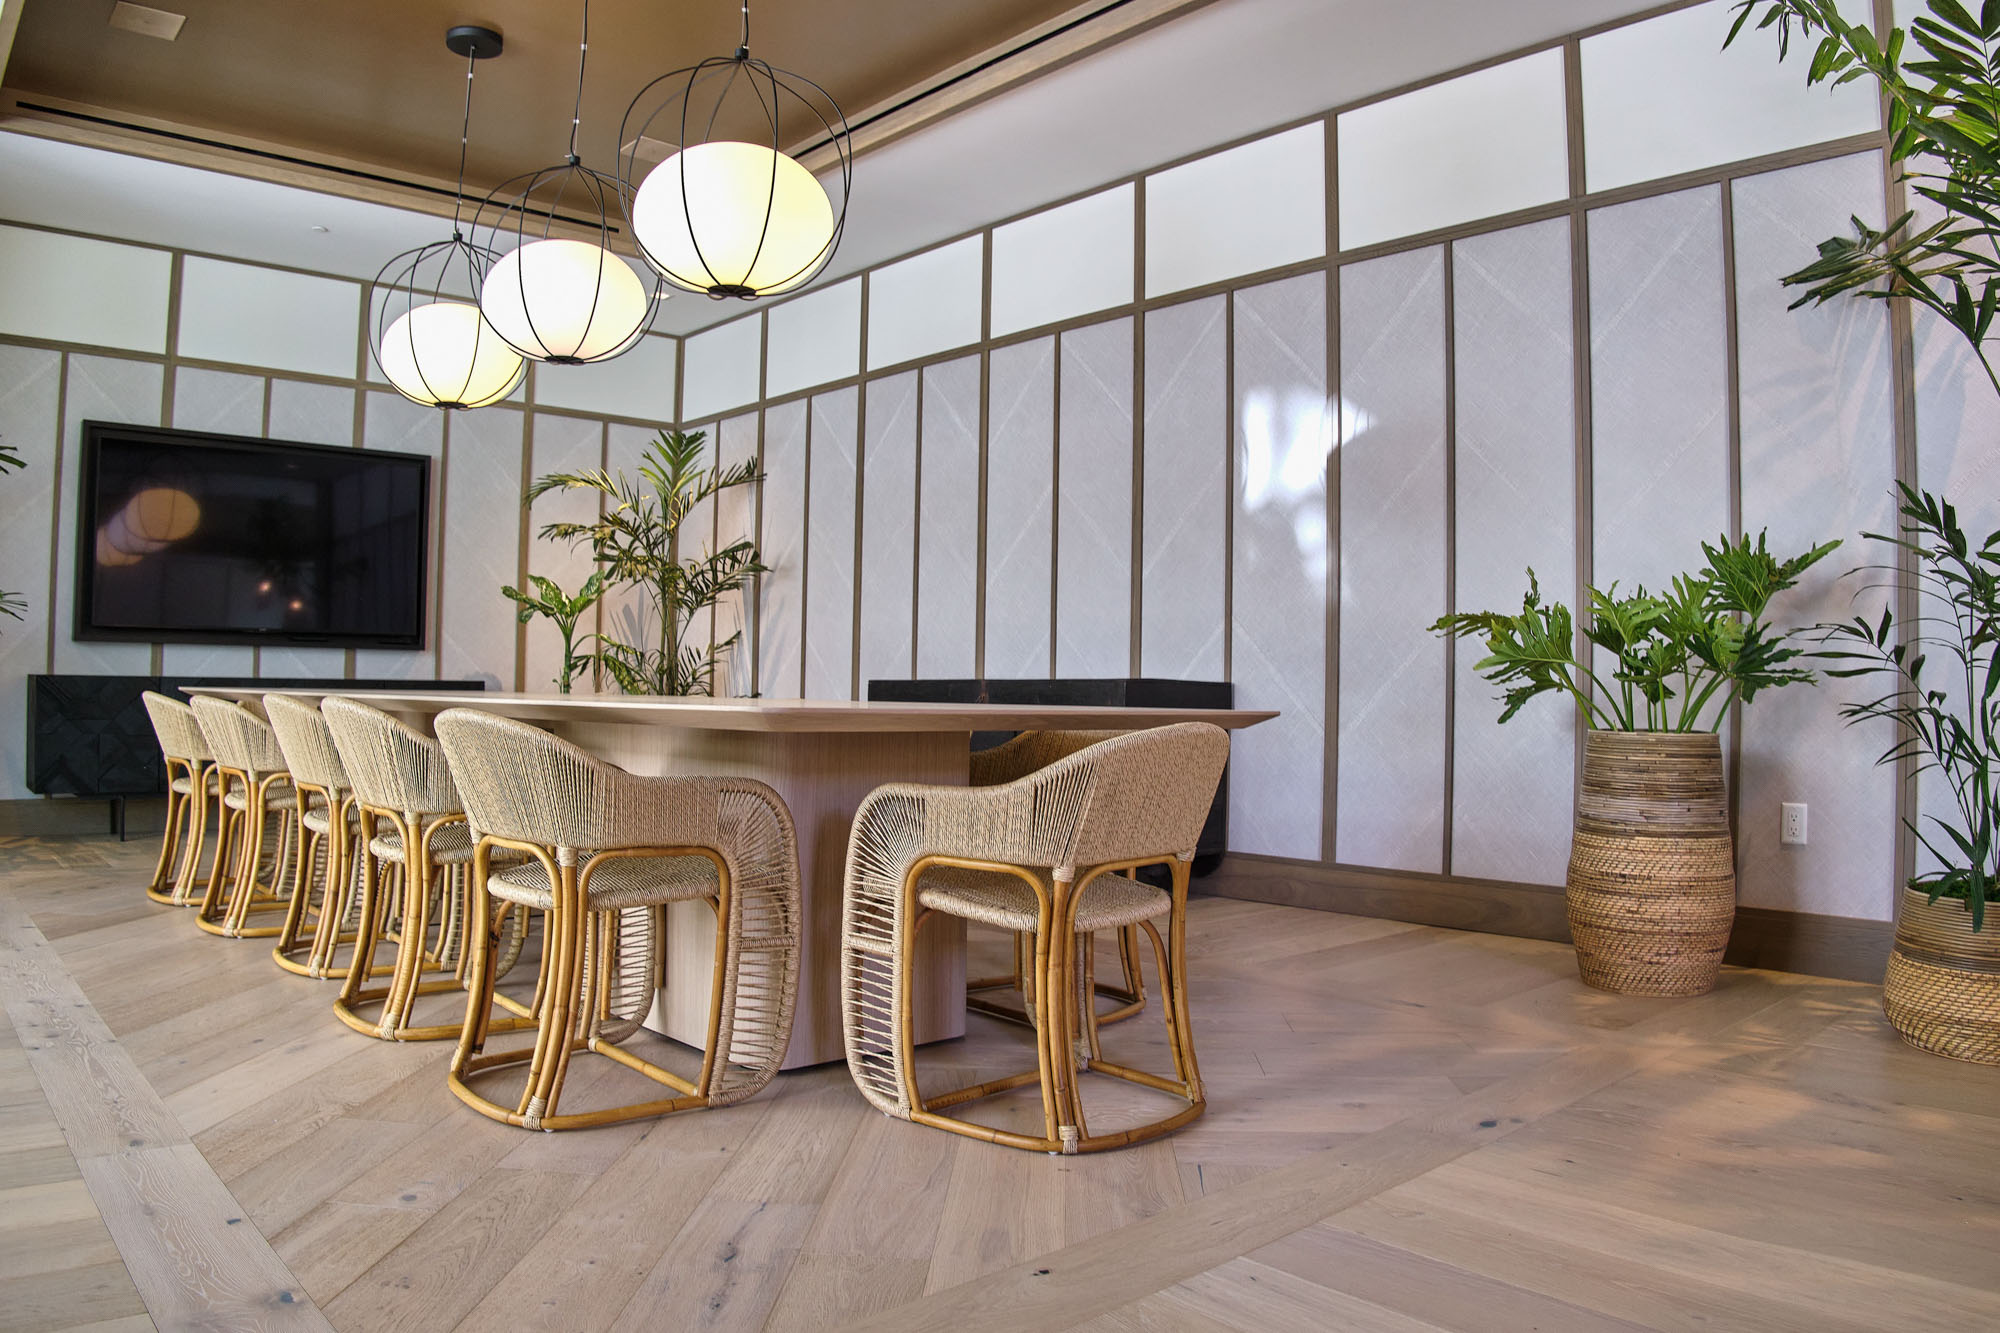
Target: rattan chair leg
189, 870
160, 887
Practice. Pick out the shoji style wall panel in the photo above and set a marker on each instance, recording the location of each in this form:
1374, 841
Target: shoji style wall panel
1183, 536
626, 612
814, 339
1390, 804
1020, 462
781, 593
735, 520
76, 289
1818, 462
1515, 474
1094, 522
557, 444
394, 422
1660, 415
482, 551
257, 316
1063, 262
229, 404
722, 367
30, 388
927, 303
97, 388
1256, 206
948, 522
314, 413
829, 632
888, 529
1283, 434
638, 383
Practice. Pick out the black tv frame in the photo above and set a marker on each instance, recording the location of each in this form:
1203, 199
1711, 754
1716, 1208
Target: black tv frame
86, 550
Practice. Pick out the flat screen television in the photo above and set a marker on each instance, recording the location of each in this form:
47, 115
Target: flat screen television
192, 537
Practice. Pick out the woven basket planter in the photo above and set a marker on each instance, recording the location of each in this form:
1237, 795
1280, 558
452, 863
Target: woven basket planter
1652, 873
1942, 991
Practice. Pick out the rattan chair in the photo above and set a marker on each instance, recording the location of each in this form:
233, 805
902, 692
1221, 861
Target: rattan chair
1040, 855
323, 883
606, 852
257, 800
1010, 761
191, 780
415, 854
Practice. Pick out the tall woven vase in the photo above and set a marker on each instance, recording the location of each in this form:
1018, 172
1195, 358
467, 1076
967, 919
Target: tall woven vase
1652, 874
1942, 991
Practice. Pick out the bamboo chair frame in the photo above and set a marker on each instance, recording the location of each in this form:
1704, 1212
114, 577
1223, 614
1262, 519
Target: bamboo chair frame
324, 872
253, 785
1103, 810
190, 764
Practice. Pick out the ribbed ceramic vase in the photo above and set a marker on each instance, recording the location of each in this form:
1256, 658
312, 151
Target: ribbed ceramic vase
1652, 874
1942, 991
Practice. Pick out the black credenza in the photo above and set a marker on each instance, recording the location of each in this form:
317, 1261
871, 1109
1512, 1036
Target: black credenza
1110, 692
90, 736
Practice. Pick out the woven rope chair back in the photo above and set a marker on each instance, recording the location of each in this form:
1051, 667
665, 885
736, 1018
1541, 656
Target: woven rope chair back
308, 744
521, 782
391, 766
177, 727
1145, 793
238, 737
1029, 752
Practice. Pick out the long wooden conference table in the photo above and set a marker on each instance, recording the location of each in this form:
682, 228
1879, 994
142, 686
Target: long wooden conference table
823, 757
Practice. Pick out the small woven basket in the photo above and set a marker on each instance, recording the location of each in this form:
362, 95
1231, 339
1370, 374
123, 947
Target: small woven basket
1942, 991
1652, 873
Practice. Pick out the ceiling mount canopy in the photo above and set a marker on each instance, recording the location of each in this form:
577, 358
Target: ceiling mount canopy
551, 298
725, 217
437, 350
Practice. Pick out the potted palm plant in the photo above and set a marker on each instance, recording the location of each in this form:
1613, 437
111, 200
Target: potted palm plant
11, 603
1651, 889
1941, 81
637, 541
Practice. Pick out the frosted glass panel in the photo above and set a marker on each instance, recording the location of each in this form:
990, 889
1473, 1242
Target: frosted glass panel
217, 400
311, 413
391, 421
1064, 262
1187, 503
927, 303
482, 550
1283, 436
1662, 96
558, 444
722, 367
1471, 147
1390, 803
948, 521
638, 384
267, 317
97, 388
814, 339
1094, 525
1818, 449
735, 442
829, 634
1020, 479
1252, 207
888, 529
781, 592
1660, 422
73, 289
1515, 466
30, 384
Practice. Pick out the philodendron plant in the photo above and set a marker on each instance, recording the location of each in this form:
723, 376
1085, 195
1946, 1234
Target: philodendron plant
565, 611
11, 603
1681, 658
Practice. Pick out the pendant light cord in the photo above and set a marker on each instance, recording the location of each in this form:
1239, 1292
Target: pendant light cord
743, 49
464, 134
582, 55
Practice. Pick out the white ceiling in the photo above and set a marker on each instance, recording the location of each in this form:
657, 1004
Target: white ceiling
1223, 72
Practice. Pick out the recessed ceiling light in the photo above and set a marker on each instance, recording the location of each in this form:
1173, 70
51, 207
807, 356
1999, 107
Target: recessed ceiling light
147, 21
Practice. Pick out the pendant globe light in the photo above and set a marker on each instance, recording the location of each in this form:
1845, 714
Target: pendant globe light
724, 216
437, 350
552, 298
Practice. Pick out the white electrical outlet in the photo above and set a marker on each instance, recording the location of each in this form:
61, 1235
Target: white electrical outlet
1792, 823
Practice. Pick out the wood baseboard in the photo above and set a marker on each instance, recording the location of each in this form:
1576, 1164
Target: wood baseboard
1849, 948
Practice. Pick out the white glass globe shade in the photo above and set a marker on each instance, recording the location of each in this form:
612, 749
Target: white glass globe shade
565, 301
441, 354
727, 190
109, 555
152, 520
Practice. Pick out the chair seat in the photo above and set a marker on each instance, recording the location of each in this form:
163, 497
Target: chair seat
183, 786
319, 821
451, 845
277, 800
623, 882
997, 899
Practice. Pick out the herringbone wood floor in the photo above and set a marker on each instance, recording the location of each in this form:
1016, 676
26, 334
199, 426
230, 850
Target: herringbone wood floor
1408, 1129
